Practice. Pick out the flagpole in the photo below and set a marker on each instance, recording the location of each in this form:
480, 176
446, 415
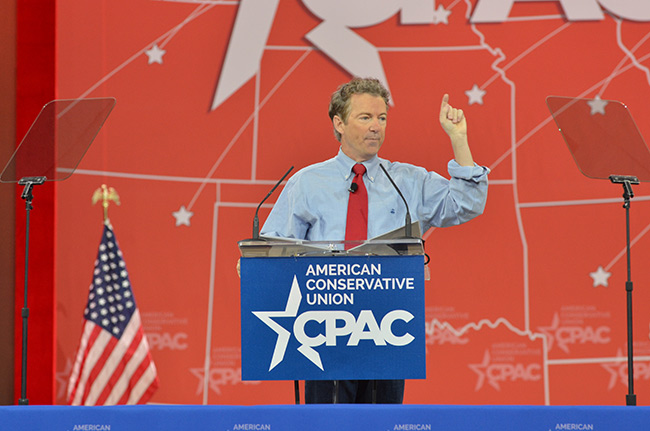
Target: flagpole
113, 329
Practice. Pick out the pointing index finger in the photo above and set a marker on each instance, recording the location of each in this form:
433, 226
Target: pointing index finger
445, 100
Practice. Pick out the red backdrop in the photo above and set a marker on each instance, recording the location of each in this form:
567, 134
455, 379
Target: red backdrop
514, 316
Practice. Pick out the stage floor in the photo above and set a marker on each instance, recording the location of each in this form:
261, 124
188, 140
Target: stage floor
324, 417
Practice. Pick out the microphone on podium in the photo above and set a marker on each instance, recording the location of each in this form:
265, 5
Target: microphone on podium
256, 219
407, 221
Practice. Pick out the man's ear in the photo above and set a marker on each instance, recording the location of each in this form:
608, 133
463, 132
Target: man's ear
338, 124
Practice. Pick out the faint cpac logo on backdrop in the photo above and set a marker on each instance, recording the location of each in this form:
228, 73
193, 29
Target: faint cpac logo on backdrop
442, 336
219, 377
495, 372
336, 39
567, 335
618, 371
166, 340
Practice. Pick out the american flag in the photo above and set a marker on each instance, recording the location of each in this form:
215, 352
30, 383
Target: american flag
113, 363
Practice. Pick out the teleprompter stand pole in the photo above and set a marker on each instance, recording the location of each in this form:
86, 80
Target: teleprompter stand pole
627, 182
29, 183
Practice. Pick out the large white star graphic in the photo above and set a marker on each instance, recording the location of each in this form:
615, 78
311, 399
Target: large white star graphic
475, 95
600, 277
481, 371
155, 54
199, 373
291, 310
549, 332
597, 105
62, 378
614, 370
182, 216
440, 15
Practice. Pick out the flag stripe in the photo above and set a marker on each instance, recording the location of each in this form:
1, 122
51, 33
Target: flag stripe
98, 367
148, 382
134, 384
147, 385
93, 354
131, 373
125, 355
87, 337
120, 355
94, 350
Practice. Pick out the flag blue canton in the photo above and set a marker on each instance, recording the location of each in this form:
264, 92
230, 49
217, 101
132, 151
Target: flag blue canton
110, 301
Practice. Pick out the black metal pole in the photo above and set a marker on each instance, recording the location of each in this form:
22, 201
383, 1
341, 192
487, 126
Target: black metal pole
23, 401
27, 195
630, 398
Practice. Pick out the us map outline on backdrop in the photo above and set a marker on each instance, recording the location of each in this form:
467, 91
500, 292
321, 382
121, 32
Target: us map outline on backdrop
477, 93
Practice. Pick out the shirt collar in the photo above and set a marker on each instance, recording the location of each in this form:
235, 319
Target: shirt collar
345, 164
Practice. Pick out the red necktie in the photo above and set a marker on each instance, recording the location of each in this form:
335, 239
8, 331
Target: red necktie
356, 228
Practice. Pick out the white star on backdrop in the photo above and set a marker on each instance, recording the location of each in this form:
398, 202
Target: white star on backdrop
475, 95
481, 371
600, 277
597, 105
182, 216
155, 54
614, 369
440, 15
62, 378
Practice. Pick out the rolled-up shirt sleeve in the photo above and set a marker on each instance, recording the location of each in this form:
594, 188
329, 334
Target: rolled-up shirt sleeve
455, 201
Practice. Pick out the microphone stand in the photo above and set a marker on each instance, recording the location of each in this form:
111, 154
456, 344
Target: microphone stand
407, 221
256, 219
256, 237
408, 233
400, 249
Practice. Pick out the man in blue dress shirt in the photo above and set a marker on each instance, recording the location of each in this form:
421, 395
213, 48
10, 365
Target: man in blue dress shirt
313, 204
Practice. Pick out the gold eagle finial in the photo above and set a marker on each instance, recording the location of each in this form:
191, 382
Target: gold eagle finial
106, 194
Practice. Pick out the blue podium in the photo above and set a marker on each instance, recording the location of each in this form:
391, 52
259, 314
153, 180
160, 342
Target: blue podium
328, 311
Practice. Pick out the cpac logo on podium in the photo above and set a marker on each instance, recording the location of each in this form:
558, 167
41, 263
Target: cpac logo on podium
363, 327
335, 36
293, 328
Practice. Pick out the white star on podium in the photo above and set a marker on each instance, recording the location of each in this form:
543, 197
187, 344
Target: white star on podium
475, 95
290, 310
182, 216
600, 277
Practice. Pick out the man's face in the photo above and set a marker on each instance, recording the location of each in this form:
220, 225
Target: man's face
363, 134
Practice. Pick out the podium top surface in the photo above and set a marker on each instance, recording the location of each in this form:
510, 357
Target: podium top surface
279, 247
